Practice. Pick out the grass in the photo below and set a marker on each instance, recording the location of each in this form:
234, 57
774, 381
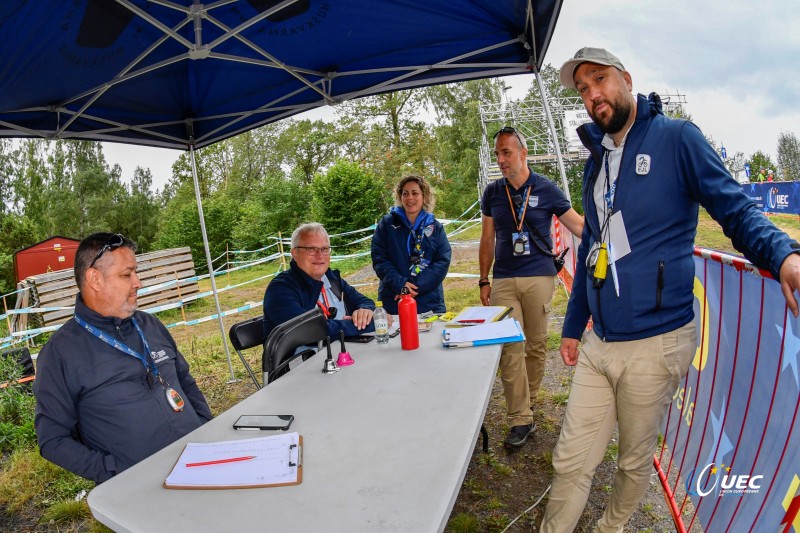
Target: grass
66, 511
464, 523
560, 398
27, 477
489, 459
612, 452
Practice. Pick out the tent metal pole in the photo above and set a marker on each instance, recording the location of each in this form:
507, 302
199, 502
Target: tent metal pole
210, 264
556, 144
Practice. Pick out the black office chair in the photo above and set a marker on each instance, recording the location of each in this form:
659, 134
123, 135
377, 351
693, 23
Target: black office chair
283, 341
245, 335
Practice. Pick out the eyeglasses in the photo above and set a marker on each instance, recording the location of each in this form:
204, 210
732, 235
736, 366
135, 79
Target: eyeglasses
114, 242
315, 250
509, 129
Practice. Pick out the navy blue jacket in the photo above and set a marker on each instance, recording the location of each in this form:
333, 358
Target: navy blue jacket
96, 414
659, 201
391, 261
294, 292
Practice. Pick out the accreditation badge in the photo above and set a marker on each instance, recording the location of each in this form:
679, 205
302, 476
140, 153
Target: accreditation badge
174, 399
521, 243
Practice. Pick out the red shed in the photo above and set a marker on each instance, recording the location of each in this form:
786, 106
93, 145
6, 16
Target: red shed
55, 253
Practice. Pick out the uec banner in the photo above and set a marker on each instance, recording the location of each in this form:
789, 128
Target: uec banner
776, 197
732, 423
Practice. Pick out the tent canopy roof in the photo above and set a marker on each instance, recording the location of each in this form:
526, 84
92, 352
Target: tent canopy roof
177, 73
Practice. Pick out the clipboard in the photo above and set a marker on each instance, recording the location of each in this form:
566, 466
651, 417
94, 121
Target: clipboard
480, 315
274, 461
503, 332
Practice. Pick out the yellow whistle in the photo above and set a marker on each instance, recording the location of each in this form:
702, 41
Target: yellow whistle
601, 266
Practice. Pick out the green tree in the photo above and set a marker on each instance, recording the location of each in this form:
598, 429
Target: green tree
180, 225
31, 181
788, 157
346, 198
308, 147
394, 142
16, 232
8, 163
138, 215
276, 205
757, 161
458, 138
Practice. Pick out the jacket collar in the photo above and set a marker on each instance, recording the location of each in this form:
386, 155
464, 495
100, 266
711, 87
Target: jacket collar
423, 218
305, 278
94, 318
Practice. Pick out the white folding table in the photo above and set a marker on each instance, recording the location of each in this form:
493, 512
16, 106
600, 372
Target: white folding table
387, 442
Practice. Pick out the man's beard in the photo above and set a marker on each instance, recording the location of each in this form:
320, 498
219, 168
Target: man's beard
129, 308
619, 117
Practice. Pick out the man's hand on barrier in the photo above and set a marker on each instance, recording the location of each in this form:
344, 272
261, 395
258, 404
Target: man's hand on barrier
569, 351
790, 280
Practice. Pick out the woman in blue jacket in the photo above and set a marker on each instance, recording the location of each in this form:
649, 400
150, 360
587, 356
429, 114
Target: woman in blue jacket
410, 249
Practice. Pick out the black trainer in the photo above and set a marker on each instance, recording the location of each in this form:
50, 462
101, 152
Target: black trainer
518, 435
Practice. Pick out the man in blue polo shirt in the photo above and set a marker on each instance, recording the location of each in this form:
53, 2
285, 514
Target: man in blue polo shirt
515, 236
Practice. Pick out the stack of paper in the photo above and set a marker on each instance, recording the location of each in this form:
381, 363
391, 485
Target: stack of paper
481, 314
260, 462
504, 331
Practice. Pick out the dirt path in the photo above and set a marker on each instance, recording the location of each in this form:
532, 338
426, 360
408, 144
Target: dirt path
500, 485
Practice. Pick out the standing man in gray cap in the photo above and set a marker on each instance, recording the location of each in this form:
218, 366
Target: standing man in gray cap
643, 183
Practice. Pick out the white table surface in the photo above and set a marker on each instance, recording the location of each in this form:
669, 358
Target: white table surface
387, 442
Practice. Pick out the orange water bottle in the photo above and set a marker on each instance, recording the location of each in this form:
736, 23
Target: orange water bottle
409, 330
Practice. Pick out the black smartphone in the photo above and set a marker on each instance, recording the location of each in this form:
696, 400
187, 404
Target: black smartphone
359, 338
264, 422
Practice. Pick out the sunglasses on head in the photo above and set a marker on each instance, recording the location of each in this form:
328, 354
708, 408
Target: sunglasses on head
114, 242
508, 129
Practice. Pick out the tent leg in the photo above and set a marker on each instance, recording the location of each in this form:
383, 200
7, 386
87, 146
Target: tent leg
556, 144
210, 264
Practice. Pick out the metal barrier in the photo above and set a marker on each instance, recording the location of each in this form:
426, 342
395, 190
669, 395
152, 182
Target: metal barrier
732, 421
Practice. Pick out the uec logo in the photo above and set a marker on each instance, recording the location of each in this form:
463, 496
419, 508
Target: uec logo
728, 483
777, 200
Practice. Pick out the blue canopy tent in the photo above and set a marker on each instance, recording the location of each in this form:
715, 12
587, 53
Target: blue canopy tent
183, 74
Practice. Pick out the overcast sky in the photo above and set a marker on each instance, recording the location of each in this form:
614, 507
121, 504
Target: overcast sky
737, 62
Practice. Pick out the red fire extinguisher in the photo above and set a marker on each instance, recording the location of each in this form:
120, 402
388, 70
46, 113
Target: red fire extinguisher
409, 330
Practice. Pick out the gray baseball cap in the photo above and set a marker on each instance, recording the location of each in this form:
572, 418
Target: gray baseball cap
587, 54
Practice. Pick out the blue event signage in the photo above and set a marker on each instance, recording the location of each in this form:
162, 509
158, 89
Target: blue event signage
775, 197
733, 424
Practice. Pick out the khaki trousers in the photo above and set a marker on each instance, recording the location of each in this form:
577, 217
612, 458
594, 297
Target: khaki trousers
627, 383
522, 365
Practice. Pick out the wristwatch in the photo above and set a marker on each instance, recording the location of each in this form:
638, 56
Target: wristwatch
483, 282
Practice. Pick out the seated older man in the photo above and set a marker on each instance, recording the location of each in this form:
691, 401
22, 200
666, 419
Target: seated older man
310, 282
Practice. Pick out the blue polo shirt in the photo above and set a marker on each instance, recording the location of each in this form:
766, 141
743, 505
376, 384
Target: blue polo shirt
545, 200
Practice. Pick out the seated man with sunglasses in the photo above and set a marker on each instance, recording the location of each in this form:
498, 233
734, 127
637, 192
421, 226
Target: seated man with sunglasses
310, 283
111, 387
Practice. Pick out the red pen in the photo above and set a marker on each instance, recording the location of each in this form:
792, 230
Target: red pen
222, 461
476, 321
